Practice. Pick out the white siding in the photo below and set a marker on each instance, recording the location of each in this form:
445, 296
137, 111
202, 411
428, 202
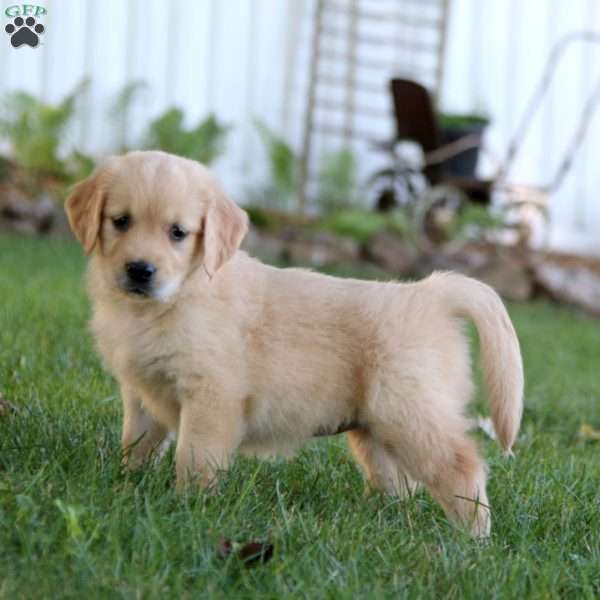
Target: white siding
497, 52
247, 59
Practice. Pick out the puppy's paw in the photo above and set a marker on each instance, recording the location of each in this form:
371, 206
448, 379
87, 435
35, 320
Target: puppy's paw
481, 527
131, 464
406, 489
402, 489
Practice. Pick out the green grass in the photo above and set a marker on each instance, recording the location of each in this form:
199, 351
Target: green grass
73, 526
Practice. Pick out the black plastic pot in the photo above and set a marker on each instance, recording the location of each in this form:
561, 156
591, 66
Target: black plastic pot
465, 163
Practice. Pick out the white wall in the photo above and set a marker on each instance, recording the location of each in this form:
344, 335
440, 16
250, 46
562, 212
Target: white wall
226, 56
498, 50
247, 59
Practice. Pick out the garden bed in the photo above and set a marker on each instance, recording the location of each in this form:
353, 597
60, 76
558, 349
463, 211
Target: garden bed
516, 272
379, 245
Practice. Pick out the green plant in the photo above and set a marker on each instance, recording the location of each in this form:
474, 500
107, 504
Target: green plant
36, 132
473, 220
204, 142
357, 224
337, 180
462, 121
79, 165
284, 171
120, 110
362, 225
6, 168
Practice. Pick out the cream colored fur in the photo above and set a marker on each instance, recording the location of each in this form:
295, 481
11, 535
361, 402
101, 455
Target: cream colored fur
234, 355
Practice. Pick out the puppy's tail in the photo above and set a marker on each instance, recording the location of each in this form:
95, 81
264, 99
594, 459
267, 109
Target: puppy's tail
501, 361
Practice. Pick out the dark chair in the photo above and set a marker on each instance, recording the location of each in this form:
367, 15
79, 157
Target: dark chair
417, 121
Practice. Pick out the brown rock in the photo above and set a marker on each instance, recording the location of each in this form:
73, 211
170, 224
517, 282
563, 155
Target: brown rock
319, 249
506, 269
391, 252
25, 215
263, 245
572, 280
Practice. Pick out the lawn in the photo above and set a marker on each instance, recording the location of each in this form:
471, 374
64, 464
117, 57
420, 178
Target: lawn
73, 526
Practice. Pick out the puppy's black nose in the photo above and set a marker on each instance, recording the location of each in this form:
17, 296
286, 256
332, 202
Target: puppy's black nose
140, 271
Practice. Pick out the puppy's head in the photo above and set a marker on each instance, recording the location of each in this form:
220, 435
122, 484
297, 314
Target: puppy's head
149, 219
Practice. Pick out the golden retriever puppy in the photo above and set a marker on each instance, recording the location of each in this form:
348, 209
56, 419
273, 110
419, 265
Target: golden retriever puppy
234, 355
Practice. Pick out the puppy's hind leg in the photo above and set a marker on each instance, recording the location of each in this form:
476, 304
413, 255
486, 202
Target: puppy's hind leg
426, 433
447, 462
382, 471
458, 484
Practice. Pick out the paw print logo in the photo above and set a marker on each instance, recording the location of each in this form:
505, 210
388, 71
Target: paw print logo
24, 32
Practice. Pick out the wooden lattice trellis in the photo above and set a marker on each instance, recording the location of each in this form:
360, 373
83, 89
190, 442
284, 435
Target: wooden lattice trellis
357, 46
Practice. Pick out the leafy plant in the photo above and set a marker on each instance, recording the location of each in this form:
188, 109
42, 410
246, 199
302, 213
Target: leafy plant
120, 110
356, 224
337, 180
79, 165
6, 168
204, 142
36, 130
462, 121
473, 220
284, 170
362, 225
259, 218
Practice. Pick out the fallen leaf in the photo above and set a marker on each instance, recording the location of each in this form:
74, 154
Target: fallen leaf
255, 552
587, 432
6, 407
250, 553
224, 548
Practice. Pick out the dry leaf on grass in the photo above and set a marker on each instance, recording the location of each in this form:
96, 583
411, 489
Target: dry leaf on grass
224, 548
255, 552
250, 553
6, 407
587, 432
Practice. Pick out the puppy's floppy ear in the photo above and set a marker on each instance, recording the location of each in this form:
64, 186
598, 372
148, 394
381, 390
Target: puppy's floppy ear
84, 210
225, 226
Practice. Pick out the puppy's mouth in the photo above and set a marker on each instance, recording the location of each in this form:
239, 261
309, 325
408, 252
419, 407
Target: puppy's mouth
136, 290
153, 291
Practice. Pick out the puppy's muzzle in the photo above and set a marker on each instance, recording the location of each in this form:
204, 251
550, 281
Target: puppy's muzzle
140, 276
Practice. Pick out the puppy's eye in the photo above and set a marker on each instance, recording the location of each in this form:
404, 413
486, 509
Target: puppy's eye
122, 223
177, 234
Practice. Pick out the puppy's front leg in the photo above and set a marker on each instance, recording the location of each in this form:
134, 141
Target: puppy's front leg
210, 431
141, 433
